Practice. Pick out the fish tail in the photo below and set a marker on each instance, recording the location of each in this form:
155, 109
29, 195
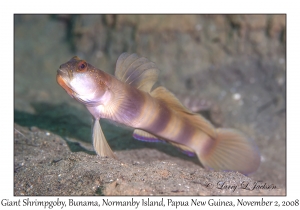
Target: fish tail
100, 144
230, 151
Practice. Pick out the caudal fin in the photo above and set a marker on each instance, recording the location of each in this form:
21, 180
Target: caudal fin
101, 146
230, 151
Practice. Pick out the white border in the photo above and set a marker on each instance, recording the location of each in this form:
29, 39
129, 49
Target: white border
154, 6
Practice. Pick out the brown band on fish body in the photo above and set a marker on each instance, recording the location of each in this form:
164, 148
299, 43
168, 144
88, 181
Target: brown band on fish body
173, 128
198, 140
147, 113
186, 133
163, 117
207, 147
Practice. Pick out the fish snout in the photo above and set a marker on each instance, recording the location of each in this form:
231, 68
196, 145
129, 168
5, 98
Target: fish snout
64, 66
63, 72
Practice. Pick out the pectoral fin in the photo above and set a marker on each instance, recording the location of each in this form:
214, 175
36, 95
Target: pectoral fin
101, 146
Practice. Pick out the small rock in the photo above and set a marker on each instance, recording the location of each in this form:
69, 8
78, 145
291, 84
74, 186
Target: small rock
34, 129
236, 96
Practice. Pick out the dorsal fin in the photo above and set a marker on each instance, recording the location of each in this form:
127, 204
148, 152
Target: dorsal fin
136, 71
162, 94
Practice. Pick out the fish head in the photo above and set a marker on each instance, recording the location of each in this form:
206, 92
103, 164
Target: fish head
83, 81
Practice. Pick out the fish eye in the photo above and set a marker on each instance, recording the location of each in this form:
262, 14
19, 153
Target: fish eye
82, 66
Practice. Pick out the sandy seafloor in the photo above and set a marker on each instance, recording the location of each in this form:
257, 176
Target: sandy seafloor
230, 67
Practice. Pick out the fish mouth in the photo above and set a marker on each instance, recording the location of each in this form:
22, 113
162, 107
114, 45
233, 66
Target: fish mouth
60, 78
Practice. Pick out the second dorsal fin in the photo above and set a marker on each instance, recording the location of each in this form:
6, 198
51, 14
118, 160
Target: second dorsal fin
136, 71
168, 98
